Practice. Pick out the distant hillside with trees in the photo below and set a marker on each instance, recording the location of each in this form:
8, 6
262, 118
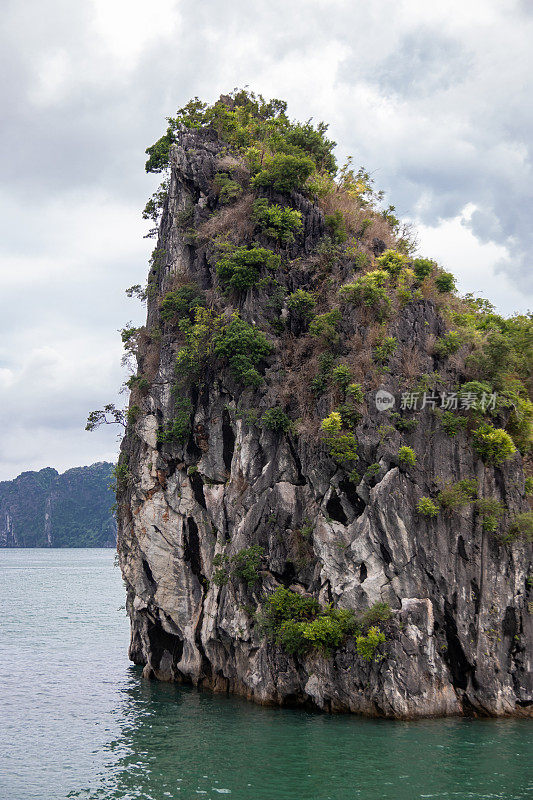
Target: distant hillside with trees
46, 509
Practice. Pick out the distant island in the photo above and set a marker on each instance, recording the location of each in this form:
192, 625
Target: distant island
46, 509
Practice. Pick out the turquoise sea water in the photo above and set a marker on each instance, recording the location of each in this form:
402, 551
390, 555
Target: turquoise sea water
77, 721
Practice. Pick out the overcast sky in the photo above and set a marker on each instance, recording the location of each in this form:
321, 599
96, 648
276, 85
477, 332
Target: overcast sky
433, 99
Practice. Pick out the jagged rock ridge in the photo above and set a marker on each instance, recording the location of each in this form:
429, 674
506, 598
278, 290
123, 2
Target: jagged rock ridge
459, 640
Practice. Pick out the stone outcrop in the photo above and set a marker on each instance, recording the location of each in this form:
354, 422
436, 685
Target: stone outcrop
459, 640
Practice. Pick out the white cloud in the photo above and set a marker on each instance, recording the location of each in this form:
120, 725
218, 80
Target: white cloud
60, 352
127, 27
46, 399
454, 246
51, 79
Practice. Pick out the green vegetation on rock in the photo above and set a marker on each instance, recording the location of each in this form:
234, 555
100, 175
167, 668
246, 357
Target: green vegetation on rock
490, 510
243, 347
300, 624
284, 153
456, 495
285, 293
494, 445
521, 527
179, 429
182, 302
427, 507
240, 267
275, 419
406, 456
226, 188
279, 222
243, 565
341, 445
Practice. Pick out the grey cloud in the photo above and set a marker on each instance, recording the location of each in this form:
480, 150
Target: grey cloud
424, 62
460, 132
525, 7
95, 133
440, 115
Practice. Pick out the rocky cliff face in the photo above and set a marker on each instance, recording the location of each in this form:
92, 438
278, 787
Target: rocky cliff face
46, 509
459, 638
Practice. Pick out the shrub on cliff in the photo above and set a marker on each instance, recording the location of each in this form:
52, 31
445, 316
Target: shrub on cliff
140, 383
494, 445
452, 423
108, 415
445, 282
521, 527
226, 188
355, 393
179, 428
240, 267
325, 633
302, 137
456, 495
284, 604
284, 172
423, 267
385, 349
336, 225
341, 377
194, 359
209, 338
243, 346
324, 326
182, 302
243, 565
158, 153
320, 382
301, 305
367, 644
448, 344
520, 423
406, 456
369, 290
279, 222
299, 624
132, 414
121, 474
332, 424
379, 612
342, 447
393, 262
427, 507
275, 419
490, 510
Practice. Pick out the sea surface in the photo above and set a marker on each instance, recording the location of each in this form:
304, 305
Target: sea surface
78, 721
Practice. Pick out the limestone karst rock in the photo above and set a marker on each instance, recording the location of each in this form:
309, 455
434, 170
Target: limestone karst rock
46, 509
205, 470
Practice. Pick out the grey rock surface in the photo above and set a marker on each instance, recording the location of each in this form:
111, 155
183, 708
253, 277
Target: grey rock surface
459, 641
